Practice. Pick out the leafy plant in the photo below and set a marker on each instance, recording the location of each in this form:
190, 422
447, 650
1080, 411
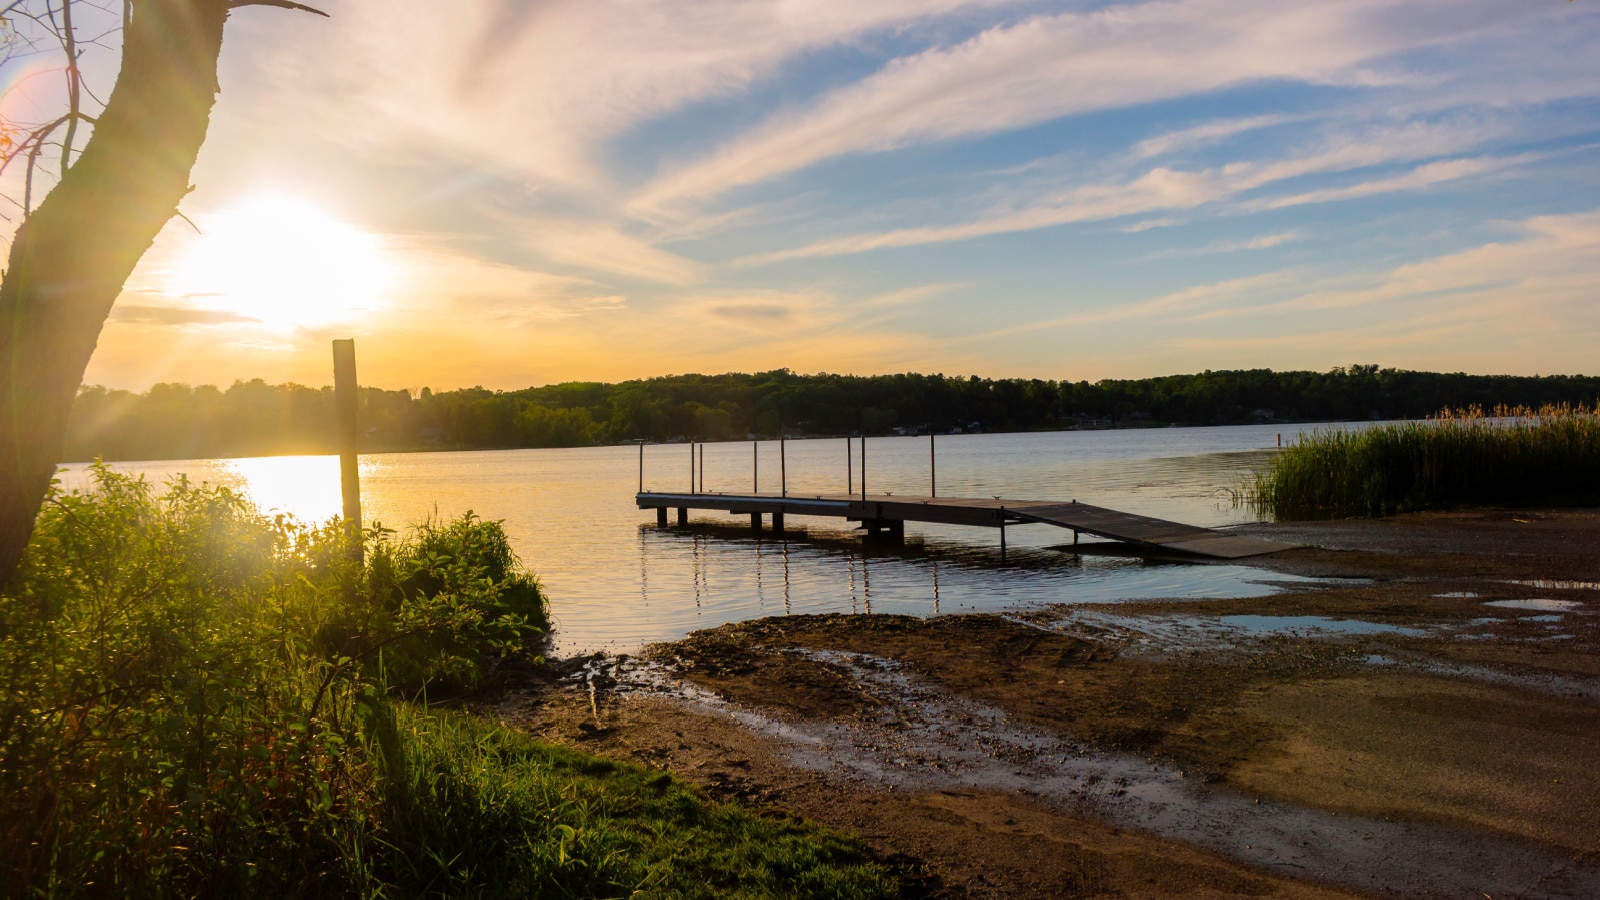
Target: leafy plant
201, 700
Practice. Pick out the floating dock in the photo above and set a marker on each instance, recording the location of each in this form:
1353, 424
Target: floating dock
885, 515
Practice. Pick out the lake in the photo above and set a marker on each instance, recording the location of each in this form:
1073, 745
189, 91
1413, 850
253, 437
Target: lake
617, 582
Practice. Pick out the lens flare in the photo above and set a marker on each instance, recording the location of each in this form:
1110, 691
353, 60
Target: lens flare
285, 264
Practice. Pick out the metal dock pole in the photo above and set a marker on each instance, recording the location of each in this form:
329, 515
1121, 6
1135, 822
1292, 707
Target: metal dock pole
863, 467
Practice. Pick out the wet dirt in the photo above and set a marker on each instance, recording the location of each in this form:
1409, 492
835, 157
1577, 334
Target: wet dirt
1430, 745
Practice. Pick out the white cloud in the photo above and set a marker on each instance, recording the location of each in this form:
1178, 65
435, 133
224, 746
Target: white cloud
1204, 134
1164, 189
1263, 242
537, 88
1420, 177
1556, 261
1051, 66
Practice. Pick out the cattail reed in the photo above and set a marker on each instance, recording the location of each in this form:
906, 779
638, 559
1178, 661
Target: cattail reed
1509, 456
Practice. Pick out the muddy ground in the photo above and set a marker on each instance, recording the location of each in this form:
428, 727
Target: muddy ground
1415, 740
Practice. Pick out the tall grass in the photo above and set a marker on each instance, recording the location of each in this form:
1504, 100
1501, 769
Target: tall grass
198, 699
1507, 456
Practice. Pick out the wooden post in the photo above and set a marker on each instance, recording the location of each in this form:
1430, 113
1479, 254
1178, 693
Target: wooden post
641, 467
346, 401
933, 469
755, 467
661, 517
783, 466
777, 523
691, 467
849, 466
702, 468
1002, 531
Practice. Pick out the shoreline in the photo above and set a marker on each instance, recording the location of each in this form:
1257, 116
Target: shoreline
1077, 750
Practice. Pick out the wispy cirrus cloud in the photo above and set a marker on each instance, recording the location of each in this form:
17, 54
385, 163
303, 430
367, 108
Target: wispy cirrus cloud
1262, 242
1164, 189
1051, 66
538, 88
176, 316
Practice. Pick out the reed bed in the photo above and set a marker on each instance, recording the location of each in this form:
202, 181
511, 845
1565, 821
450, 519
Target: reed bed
1507, 456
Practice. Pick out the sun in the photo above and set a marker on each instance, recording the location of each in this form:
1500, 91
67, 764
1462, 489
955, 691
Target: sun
285, 264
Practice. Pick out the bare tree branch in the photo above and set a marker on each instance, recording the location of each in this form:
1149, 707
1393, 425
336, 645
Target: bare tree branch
280, 4
69, 43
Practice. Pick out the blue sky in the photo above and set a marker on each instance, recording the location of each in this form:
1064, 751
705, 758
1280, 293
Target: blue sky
604, 190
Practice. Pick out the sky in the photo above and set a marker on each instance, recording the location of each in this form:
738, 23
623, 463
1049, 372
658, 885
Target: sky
510, 193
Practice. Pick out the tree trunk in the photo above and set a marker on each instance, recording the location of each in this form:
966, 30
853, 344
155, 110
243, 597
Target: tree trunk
69, 260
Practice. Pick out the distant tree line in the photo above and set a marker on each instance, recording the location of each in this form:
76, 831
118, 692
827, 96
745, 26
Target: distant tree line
177, 421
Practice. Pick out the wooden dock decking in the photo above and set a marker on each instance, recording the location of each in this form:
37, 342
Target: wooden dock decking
880, 513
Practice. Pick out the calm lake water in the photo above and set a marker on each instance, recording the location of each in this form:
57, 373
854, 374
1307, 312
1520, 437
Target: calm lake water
617, 582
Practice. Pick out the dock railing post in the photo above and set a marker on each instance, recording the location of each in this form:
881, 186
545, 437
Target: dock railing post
702, 467
783, 466
641, 465
863, 467
849, 465
691, 467
933, 469
755, 467
347, 402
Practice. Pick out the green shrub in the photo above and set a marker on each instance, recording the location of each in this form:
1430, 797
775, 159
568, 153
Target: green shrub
1508, 457
199, 700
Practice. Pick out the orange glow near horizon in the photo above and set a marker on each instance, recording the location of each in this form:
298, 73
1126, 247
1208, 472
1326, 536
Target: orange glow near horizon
286, 264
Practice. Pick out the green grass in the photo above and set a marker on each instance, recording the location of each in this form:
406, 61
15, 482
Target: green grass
202, 700
1512, 457
483, 810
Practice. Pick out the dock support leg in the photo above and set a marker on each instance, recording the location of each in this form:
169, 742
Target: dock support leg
661, 517
755, 522
683, 516
897, 530
777, 523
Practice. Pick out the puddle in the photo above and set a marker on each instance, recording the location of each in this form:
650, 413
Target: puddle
924, 739
1298, 624
1539, 604
1546, 584
1156, 636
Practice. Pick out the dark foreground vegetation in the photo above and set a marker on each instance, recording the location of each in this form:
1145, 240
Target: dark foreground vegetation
202, 701
1513, 456
174, 421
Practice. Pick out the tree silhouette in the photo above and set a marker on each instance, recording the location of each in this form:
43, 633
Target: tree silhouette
71, 255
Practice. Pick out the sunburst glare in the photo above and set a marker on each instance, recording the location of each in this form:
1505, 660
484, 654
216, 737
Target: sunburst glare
286, 264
